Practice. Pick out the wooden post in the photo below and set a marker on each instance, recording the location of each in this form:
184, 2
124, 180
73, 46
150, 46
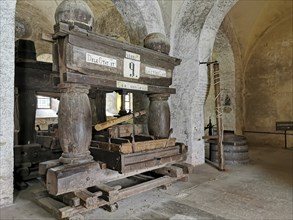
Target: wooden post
98, 106
27, 114
101, 106
75, 123
219, 116
122, 108
159, 115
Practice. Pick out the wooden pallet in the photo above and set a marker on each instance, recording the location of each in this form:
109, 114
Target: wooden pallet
71, 205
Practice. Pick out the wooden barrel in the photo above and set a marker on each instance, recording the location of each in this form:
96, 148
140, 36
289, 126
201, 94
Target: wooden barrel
235, 150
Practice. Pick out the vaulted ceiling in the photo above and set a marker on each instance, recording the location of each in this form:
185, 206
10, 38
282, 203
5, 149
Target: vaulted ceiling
250, 19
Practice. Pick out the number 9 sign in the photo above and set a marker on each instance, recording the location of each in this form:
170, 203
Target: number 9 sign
131, 68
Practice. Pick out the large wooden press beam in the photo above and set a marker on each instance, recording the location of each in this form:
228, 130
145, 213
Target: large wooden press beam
63, 179
36, 76
106, 84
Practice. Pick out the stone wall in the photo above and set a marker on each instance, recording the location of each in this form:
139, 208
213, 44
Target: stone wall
7, 20
269, 85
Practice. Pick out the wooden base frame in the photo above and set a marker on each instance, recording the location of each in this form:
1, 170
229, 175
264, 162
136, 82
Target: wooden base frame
71, 205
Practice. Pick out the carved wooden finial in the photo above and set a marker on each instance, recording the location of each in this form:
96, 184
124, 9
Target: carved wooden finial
75, 12
157, 42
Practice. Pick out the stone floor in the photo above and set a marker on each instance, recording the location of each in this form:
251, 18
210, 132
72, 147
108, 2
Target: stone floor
262, 189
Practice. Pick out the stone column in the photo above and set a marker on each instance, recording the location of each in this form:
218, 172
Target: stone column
75, 123
159, 115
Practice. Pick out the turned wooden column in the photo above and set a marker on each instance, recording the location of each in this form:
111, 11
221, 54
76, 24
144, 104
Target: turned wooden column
75, 123
159, 115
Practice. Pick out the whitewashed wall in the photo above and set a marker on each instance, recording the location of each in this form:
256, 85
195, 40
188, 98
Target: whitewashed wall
7, 14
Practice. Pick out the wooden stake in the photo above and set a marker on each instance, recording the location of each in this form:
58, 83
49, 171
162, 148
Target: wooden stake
219, 117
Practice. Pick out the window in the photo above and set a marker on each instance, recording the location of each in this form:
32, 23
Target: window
44, 102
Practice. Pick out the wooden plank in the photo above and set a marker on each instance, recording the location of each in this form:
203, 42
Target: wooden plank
39, 193
55, 95
95, 41
171, 171
87, 198
47, 37
106, 146
51, 205
107, 124
59, 179
151, 164
101, 138
62, 179
36, 75
143, 187
71, 199
126, 130
106, 84
110, 194
150, 155
125, 163
186, 167
127, 148
77, 61
44, 166
70, 212
112, 159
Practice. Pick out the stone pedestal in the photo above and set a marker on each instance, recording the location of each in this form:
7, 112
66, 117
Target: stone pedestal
159, 115
75, 124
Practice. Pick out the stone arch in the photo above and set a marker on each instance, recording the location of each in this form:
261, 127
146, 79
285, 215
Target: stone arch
192, 40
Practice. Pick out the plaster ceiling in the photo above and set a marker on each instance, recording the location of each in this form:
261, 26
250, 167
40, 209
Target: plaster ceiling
251, 19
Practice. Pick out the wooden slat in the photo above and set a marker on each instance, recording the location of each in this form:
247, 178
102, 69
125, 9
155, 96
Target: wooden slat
106, 146
44, 166
143, 187
127, 148
51, 205
151, 155
171, 171
187, 168
126, 130
153, 163
71, 199
87, 198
